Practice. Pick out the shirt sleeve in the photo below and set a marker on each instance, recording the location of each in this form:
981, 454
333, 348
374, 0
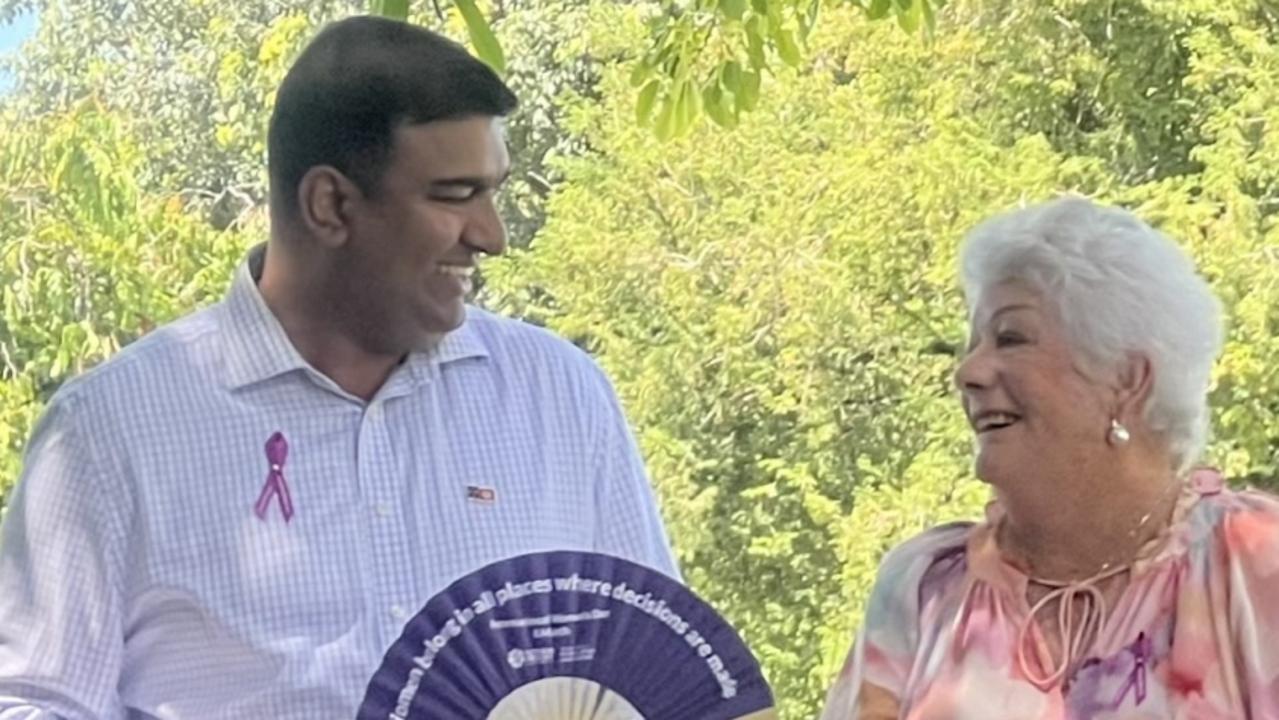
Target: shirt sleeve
874, 678
630, 525
61, 564
1251, 534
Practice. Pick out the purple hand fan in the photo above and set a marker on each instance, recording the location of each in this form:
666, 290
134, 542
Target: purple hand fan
567, 636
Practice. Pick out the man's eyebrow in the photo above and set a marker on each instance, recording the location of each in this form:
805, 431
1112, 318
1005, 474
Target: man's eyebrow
478, 182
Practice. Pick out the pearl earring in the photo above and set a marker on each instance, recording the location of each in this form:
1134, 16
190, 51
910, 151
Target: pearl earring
1118, 434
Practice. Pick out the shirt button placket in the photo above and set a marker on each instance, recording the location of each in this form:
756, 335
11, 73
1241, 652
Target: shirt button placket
379, 484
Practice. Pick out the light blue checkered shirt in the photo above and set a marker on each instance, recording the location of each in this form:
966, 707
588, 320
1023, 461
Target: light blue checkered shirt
136, 580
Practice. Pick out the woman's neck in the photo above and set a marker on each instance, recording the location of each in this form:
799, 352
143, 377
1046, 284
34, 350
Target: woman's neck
1100, 524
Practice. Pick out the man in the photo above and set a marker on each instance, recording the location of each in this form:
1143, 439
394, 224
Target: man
235, 516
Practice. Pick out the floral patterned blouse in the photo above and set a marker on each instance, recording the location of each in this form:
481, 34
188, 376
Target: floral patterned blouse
1194, 636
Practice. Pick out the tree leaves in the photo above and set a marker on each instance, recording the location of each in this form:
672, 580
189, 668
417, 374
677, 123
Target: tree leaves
644, 102
733, 9
879, 9
482, 38
910, 14
751, 32
395, 9
759, 35
787, 48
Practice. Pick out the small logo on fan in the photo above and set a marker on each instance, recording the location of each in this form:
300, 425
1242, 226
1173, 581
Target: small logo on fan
515, 658
481, 494
518, 658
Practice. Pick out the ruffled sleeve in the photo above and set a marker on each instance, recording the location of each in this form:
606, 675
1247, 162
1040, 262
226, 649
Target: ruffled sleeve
878, 667
1250, 534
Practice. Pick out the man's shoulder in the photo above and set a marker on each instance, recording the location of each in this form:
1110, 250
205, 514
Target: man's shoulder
511, 340
180, 350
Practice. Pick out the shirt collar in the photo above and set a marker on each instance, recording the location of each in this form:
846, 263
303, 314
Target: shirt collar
463, 343
259, 349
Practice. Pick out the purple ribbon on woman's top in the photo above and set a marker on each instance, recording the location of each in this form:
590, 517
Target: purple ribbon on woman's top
277, 451
1141, 649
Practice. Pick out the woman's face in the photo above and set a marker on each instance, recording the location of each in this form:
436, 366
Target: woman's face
1034, 413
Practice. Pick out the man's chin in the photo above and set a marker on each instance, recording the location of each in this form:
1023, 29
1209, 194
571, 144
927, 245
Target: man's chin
442, 324
427, 343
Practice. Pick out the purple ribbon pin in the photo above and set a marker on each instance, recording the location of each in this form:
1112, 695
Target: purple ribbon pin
277, 451
1141, 650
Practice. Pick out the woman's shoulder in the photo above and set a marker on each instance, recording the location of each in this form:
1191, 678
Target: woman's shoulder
1246, 520
936, 555
937, 542
1235, 527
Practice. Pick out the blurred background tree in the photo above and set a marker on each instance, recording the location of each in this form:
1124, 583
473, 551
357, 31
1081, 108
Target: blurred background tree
772, 291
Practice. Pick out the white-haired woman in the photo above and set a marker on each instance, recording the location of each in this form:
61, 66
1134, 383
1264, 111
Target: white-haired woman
1109, 579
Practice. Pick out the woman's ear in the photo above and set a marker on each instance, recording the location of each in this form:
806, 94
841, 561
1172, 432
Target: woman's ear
1134, 382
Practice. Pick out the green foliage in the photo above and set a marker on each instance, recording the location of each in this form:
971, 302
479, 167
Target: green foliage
775, 298
482, 37
195, 80
705, 56
396, 9
708, 56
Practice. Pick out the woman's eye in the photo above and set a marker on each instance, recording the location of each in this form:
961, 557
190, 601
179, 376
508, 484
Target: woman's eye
1007, 338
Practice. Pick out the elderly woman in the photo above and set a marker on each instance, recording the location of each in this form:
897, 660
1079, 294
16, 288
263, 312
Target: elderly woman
1109, 579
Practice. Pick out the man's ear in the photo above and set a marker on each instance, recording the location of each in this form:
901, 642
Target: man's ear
1134, 382
325, 199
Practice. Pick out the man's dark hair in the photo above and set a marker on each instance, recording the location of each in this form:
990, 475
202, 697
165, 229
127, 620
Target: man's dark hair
359, 80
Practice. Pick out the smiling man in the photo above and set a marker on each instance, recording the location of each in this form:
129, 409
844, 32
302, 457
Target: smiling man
235, 516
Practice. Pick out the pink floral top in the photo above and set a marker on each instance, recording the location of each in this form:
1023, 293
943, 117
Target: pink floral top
1194, 636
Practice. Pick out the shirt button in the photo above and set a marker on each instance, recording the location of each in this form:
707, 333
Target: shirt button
383, 509
399, 613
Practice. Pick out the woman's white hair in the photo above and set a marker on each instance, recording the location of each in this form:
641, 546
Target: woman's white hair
1119, 287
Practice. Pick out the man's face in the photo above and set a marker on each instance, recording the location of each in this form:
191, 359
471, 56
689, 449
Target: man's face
406, 268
